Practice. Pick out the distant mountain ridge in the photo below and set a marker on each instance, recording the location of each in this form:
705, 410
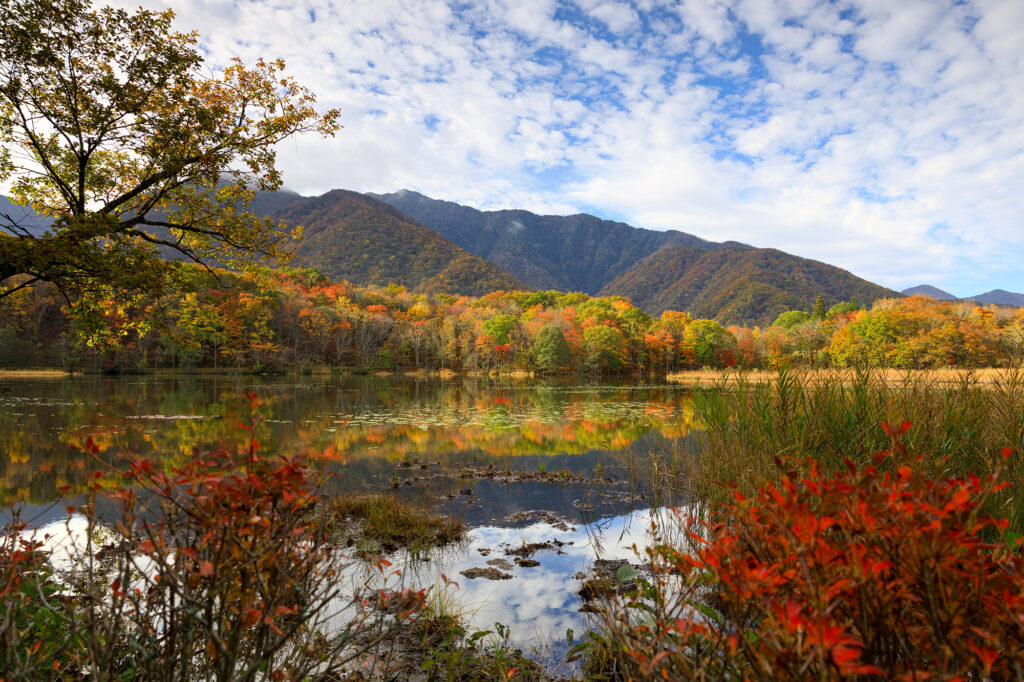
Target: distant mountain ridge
570, 253
994, 297
929, 291
737, 286
999, 297
22, 217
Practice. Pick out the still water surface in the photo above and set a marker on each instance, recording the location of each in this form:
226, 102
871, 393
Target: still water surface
361, 429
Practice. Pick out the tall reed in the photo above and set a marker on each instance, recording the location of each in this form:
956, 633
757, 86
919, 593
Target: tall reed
961, 426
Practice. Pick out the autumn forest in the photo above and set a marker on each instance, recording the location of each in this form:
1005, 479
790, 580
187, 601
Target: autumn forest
292, 318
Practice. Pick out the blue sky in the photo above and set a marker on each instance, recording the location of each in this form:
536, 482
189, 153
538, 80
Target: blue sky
883, 137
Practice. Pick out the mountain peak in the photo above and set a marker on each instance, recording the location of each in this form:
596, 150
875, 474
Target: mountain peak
929, 291
577, 252
999, 297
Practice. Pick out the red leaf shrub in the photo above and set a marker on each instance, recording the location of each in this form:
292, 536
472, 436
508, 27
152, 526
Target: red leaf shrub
878, 570
223, 568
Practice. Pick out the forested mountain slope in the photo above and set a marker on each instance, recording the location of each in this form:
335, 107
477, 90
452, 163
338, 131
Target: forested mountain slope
737, 285
349, 236
569, 253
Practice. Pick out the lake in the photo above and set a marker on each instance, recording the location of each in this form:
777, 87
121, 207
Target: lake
366, 431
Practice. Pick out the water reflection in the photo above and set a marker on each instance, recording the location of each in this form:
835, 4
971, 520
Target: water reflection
539, 604
358, 430
357, 427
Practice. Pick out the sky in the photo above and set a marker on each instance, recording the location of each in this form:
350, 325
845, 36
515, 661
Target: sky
882, 136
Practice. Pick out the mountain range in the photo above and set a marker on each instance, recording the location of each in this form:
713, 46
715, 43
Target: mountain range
658, 270
569, 253
24, 218
432, 245
994, 297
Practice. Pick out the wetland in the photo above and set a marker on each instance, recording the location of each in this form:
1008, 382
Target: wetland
543, 477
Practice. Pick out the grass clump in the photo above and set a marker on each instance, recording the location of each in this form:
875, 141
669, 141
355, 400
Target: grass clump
392, 521
959, 427
450, 650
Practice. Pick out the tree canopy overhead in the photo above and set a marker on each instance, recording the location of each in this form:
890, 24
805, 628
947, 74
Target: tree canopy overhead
110, 126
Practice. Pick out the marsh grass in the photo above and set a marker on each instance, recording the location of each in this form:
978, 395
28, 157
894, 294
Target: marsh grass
447, 649
717, 377
390, 520
960, 424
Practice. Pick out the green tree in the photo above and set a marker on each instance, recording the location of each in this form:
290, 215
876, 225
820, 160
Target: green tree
500, 327
790, 319
551, 352
819, 308
705, 338
605, 348
111, 126
841, 308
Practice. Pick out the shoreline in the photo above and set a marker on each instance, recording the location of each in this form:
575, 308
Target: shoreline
36, 373
887, 375
699, 377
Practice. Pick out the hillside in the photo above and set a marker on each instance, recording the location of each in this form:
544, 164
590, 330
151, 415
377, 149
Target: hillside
354, 237
929, 291
569, 253
994, 297
999, 297
21, 217
737, 285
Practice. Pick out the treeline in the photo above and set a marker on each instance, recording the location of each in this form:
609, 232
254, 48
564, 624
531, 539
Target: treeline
289, 317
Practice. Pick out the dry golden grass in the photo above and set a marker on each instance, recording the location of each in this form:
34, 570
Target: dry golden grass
890, 376
34, 373
960, 422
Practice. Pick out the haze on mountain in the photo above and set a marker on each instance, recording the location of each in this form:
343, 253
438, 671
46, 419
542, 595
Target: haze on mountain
994, 297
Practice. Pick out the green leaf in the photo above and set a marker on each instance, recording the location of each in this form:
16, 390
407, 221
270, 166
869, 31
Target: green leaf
626, 573
708, 612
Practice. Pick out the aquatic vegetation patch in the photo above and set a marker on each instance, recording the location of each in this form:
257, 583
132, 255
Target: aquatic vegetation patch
392, 522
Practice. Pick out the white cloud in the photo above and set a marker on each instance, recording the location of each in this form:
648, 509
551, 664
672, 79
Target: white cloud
887, 138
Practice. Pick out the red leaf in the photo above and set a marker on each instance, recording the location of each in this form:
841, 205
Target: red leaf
251, 617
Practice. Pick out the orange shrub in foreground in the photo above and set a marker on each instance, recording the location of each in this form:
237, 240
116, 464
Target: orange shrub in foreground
876, 571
